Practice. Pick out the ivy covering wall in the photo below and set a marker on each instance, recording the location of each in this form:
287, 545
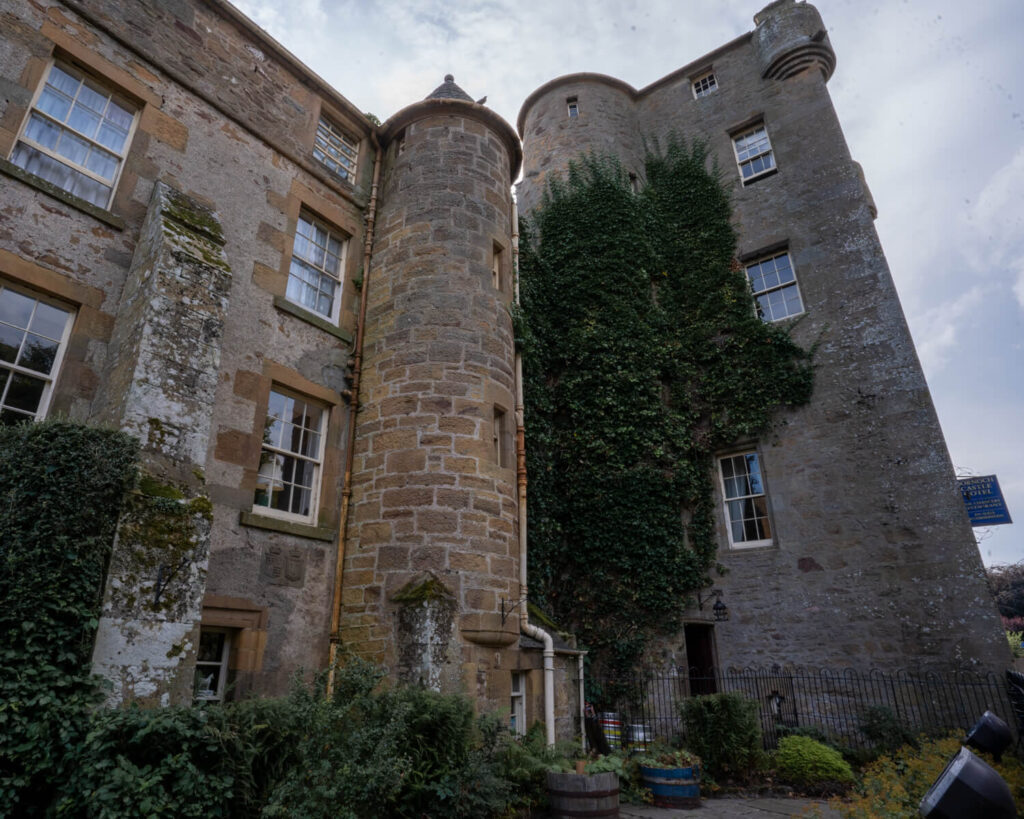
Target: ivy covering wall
642, 357
61, 489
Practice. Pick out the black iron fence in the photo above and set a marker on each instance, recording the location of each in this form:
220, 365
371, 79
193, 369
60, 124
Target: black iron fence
839, 703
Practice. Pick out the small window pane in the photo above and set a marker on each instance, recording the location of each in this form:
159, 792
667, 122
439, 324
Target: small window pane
43, 131
64, 81
112, 137
211, 646
38, 354
15, 308
24, 392
54, 103
49, 321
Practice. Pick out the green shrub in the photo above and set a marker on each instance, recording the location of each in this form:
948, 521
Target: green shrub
810, 764
401, 752
61, 489
893, 785
725, 731
884, 730
198, 761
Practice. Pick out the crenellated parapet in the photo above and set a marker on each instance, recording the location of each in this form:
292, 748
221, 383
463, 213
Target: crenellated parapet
790, 38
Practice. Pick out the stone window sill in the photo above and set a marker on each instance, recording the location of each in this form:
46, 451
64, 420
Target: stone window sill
33, 181
746, 183
287, 527
286, 306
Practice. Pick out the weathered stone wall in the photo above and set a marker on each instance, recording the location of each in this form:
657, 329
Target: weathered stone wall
213, 152
165, 368
873, 560
433, 510
607, 124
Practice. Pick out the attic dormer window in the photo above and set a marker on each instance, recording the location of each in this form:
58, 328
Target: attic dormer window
336, 149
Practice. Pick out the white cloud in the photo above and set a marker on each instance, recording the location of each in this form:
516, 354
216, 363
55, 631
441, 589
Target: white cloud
937, 330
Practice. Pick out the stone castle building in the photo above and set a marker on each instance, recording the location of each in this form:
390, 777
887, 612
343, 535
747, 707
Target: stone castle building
303, 317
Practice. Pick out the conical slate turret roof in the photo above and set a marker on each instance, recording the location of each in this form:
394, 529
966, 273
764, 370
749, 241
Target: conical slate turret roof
448, 90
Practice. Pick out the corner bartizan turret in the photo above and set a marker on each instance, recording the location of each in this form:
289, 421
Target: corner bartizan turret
790, 38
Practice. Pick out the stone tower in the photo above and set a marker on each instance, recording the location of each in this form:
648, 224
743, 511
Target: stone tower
431, 553
864, 518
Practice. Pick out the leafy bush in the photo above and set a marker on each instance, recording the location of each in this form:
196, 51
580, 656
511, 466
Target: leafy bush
725, 731
811, 765
883, 729
61, 489
189, 761
402, 752
893, 785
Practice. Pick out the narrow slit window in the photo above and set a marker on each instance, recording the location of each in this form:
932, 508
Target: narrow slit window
572, 103
496, 260
501, 437
517, 704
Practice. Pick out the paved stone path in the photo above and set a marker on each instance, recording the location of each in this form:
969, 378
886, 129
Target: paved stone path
736, 808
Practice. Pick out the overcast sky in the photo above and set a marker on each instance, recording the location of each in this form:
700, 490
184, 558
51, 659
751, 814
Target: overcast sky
930, 94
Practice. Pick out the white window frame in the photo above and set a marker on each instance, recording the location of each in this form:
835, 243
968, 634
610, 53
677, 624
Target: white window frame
13, 369
750, 150
763, 310
222, 663
762, 515
572, 106
704, 85
335, 149
99, 86
275, 473
517, 704
322, 269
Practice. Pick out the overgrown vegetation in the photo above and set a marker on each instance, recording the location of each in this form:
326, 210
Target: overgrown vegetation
369, 750
725, 731
812, 765
643, 356
1007, 585
893, 785
61, 486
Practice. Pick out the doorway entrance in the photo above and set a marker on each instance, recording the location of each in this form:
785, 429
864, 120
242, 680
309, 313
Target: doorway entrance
700, 658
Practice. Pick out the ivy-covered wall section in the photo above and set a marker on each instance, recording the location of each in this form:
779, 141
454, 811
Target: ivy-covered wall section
61, 491
642, 357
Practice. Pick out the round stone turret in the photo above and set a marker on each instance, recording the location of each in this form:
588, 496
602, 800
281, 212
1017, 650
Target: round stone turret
790, 37
432, 552
573, 115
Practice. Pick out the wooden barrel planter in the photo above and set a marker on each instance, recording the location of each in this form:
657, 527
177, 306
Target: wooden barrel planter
590, 795
673, 787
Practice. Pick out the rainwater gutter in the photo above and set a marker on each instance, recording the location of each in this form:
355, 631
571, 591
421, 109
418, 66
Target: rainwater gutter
353, 408
525, 625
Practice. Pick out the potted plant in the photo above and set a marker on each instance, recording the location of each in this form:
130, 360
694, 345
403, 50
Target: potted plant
592, 790
672, 776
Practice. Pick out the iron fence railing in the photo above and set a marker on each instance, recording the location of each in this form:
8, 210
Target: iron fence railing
839, 703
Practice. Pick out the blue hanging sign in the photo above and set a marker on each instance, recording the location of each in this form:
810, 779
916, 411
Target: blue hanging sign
985, 504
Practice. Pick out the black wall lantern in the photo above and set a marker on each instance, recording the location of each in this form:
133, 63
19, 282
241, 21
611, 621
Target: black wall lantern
719, 609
